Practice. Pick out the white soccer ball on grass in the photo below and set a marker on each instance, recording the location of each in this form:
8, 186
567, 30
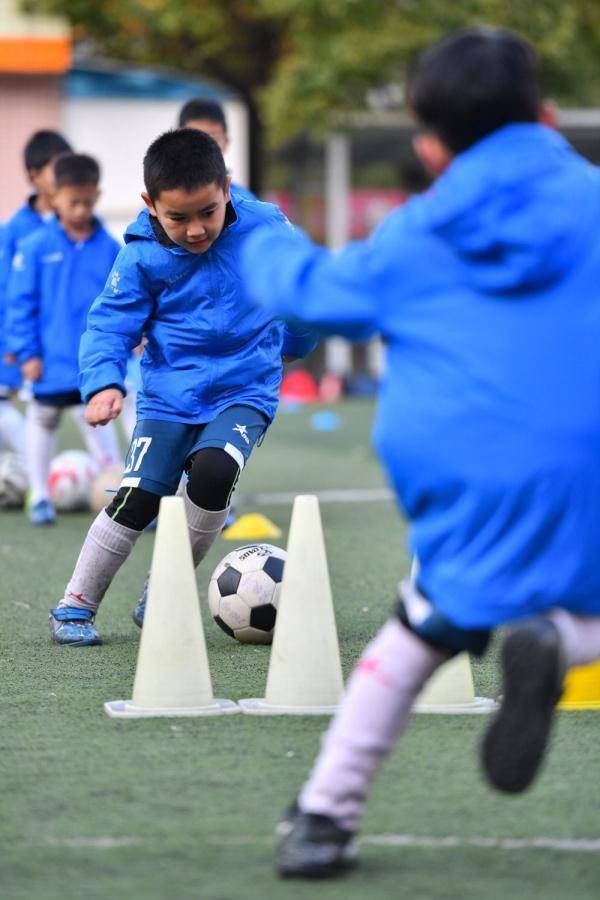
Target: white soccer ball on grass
71, 476
243, 593
13, 481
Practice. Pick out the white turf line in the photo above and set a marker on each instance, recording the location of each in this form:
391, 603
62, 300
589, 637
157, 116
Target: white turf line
566, 845
360, 495
571, 845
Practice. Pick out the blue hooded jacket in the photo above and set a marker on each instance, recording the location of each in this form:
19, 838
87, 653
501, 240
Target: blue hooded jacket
25, 221
53, 283
207, 347
242, 193
486, 290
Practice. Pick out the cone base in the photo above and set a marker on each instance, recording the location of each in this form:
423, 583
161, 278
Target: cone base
475, 707
259, 707
126, 709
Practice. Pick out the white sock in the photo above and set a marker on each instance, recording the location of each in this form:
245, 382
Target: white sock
580, 636
40, 443
374, 712
104, 551
204, 527
12, 428
102, 442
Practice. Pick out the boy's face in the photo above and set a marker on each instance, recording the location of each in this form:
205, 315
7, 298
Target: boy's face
192, 219
74, 205
214, 129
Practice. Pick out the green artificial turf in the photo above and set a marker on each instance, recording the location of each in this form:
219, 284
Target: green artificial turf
185, 808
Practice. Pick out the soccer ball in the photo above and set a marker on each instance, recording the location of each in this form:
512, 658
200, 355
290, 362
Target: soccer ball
244, 592
13, 481
105, 486
70, 480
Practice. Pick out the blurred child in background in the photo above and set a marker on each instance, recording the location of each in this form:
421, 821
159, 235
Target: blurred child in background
57, 272
39, 155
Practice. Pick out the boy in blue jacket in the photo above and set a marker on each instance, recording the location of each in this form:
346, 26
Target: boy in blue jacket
485, 290
39, 155
56, 274
211, 365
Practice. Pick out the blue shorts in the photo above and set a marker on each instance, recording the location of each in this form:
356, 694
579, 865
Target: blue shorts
160, 450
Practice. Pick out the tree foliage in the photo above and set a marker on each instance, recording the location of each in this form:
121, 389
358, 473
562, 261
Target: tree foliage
305, 63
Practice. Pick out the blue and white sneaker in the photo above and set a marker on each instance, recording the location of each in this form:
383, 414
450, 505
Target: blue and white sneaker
42, 513
140, 608
73, 626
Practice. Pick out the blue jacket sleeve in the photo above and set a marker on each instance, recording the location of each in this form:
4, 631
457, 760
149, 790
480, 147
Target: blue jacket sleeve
307, 286
23, 304
115, 325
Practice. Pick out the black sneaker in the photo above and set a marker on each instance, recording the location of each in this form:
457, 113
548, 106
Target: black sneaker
313, 846
514, 744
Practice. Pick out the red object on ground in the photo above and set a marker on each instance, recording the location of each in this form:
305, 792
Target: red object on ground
299, 387
331, 388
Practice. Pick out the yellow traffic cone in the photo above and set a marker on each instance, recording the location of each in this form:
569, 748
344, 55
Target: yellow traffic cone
251, 527
305, 675
172, 676
582, 688
451, 690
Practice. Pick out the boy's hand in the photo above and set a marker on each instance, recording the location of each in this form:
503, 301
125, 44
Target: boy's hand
104, 406
10, 358
32, 369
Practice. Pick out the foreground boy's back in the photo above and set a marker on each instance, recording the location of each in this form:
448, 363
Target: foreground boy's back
485, 290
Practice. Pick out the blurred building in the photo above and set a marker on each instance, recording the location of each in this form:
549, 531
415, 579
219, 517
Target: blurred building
107, 109
35, 54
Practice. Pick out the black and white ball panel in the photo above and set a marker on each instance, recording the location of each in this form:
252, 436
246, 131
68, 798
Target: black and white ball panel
244, 590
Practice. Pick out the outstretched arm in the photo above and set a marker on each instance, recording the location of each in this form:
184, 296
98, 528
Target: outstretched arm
330, 293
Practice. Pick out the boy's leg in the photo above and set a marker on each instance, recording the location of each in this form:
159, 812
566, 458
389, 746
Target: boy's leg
215, 460
374, 712
380, 693
108, 543
373, 715
212, 479
535, 657
12, 427
102, 442
40, 440
579, 636
154, 464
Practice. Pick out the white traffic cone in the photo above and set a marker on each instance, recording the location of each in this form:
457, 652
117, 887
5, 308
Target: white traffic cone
172, 676
450, 690
305, 675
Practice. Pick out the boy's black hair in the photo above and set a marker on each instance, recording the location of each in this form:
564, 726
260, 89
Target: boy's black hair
76, 169
474, 81
202, 109
42, 147
185, 159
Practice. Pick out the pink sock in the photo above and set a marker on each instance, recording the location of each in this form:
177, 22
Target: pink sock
380, 693
580, 636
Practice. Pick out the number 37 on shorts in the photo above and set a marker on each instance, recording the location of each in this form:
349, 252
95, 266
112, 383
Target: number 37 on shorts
138, 449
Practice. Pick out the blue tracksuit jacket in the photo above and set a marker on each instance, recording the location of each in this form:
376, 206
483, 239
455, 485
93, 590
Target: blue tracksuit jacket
52, 286
486, 290
25, 221
241, 192
207, 346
